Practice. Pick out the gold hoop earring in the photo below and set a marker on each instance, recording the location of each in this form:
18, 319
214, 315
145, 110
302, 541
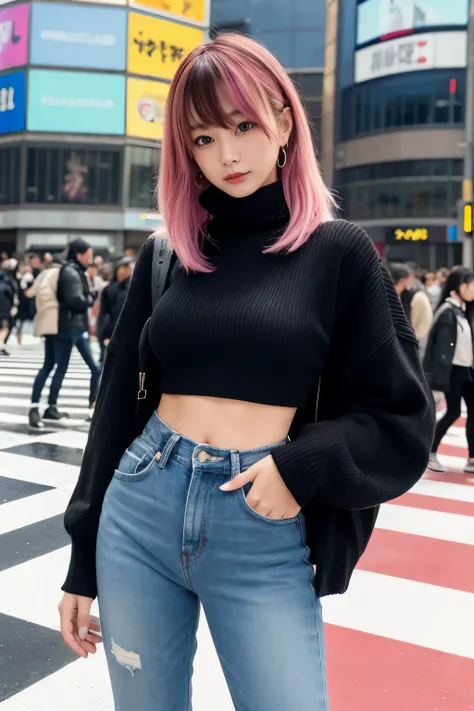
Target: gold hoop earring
200, 177
283, 162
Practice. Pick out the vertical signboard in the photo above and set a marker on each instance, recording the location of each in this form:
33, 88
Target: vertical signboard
13, 36
76, 102
157, 47
78, 36
12, 102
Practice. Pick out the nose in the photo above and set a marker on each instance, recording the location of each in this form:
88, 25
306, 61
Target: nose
229, 153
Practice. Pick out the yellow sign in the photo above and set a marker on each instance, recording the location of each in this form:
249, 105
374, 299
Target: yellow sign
157, 47
468, 218
146, 108
191, 10
416, 235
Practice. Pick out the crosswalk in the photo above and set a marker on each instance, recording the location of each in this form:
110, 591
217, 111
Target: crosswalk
401, 638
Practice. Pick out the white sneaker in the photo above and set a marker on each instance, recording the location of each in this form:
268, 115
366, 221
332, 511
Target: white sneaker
435, 465
469, 468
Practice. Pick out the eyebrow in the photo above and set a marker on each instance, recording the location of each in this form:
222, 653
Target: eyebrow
232, 114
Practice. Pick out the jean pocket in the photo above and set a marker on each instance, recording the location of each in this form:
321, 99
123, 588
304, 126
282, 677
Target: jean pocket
243, 491
135, 464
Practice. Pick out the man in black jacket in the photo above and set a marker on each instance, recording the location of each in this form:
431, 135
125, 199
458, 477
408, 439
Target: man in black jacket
113, 298
75, 299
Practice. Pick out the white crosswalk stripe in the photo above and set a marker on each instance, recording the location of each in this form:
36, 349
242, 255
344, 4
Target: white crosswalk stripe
401, 637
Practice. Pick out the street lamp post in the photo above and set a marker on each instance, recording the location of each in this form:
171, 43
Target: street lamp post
468, 156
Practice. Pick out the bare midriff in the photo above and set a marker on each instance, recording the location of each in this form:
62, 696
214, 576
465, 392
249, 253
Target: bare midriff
226, 424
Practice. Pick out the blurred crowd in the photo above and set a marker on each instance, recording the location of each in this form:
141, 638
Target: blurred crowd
17, 301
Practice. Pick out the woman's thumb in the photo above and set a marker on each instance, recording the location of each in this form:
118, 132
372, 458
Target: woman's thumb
83, 616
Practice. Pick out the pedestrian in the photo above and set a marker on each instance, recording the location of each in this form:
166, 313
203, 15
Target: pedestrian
232, 491
7, 303
113, 298
26, 302
34, 263
414, 300
44, 290
75, 298
449, 360
433, 288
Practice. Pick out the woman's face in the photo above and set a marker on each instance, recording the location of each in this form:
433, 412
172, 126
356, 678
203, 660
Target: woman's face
241, 159
466, 291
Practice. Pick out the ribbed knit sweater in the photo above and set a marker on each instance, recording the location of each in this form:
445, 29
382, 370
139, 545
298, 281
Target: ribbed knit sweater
274, 327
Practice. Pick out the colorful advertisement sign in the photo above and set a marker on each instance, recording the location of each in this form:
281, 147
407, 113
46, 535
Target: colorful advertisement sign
157, 47
78, 36
12, 102
187, 10
410, 54
145, 108
385, 19
13, 36
75, 102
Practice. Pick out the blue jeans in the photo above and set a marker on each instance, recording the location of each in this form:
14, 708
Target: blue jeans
169, 539
45, 370
65, 341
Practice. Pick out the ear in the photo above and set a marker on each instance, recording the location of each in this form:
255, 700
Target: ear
285, 125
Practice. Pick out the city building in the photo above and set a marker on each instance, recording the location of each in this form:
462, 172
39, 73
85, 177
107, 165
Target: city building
393, 122
82, 91
293, 31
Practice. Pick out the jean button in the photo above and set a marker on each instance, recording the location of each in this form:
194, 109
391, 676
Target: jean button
158, 456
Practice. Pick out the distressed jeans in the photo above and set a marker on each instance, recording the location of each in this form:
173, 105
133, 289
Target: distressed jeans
169, 540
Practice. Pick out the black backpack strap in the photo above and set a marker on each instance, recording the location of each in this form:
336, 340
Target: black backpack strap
162, 258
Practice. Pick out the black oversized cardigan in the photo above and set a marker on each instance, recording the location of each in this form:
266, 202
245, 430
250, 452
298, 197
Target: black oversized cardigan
373, 434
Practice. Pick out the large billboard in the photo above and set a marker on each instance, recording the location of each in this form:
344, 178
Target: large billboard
385, 19
13, 36
78, 36
436, 50
157, 47
76, 102
145, 108
187, 10
12, 102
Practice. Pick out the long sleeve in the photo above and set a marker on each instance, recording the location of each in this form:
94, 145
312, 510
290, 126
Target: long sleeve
111, 429
72, 292
378, 445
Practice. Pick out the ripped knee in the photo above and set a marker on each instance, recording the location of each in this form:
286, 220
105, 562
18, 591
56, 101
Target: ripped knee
129, 660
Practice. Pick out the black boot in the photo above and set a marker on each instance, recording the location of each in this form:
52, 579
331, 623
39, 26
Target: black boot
35, 419
52, 413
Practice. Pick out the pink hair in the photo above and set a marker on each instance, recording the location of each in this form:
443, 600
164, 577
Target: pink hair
258, 84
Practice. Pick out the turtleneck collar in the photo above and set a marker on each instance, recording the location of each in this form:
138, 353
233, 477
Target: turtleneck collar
264, 210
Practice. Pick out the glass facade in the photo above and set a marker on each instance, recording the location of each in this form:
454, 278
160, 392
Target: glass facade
310, 87
143, 172
70, 176
424, 188
10, 175
391, 103
293, 31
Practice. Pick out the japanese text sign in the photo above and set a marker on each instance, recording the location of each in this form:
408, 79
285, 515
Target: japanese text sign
157, 47
13, 36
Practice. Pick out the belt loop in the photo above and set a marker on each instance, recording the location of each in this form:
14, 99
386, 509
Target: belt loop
235, 462
168, 448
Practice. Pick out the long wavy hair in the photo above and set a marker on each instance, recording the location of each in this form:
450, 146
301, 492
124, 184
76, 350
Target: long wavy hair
258, 85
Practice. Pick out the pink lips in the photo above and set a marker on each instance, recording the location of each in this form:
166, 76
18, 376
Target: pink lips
236, 177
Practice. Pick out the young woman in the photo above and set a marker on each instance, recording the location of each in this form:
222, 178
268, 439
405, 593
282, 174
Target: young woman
449, 359
232, 486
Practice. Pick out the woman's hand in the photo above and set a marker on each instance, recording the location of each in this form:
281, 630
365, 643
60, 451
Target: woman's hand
269, 495
76, 624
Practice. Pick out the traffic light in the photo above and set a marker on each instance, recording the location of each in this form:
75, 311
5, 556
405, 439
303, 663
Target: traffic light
467, 218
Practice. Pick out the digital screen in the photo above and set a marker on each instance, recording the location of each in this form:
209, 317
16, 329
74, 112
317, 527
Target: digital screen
386, 19
78, 36
12, 102
76, 102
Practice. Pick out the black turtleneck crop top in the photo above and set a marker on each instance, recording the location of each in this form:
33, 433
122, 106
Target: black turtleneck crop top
247, 331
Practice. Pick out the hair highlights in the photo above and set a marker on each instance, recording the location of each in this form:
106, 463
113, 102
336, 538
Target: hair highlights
259, 86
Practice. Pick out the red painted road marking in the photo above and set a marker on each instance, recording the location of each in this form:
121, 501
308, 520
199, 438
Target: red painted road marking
426, 560
435, 503
370, 673
453, 450
452, 477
